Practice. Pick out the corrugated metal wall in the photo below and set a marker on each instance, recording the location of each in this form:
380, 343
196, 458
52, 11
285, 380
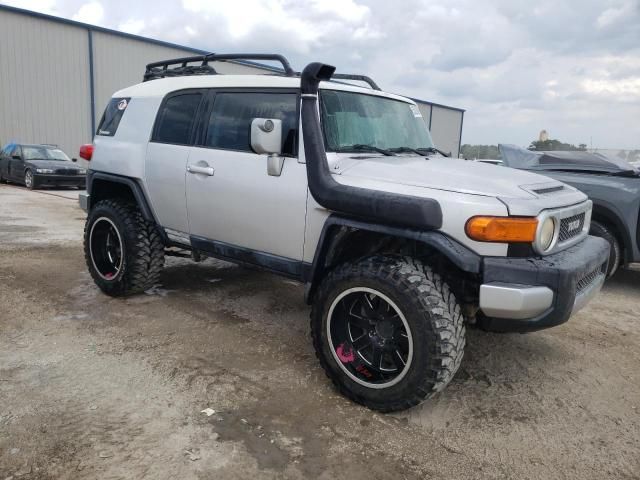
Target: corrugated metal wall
44, 82
446, 126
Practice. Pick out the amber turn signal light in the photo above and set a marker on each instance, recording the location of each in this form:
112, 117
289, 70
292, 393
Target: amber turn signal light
502, 229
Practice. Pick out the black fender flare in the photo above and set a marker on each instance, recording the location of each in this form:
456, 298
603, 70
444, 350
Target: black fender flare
134, 186
462, 257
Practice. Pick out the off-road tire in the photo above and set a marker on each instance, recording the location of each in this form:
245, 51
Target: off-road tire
615, 253
143, 250
432, 312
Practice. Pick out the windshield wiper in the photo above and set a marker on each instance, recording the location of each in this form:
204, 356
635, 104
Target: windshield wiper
434, 150
363, 147
408, 149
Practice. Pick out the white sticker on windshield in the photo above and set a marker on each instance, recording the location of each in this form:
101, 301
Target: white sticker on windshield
415, 110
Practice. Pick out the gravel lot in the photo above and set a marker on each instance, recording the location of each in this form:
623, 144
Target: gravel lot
94, 387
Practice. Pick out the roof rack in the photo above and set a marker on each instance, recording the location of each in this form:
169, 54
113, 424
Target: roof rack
179, 67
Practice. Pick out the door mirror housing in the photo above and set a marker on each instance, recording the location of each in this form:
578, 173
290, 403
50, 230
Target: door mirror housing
16, 157
266, 136
74, 160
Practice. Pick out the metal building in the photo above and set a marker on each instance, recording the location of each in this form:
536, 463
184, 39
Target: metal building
57, 75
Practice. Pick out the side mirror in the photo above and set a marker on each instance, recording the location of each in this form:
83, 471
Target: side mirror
74, 160
266, 137
16, 157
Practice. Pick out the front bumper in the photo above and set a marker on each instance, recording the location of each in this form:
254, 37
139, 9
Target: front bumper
528, 294
50, 180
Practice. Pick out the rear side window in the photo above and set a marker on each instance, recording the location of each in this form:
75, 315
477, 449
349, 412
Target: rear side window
176, 117
112, 116
230, 122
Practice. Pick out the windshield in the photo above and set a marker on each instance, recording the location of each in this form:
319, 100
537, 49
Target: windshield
43, 153
518, 157
354, 119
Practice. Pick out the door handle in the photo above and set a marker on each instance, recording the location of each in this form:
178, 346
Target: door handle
201, 170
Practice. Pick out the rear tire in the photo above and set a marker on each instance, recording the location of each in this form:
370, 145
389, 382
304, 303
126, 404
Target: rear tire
412, 317
123, 251
615, 253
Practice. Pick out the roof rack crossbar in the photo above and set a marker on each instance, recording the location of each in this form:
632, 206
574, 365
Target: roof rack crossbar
360, 78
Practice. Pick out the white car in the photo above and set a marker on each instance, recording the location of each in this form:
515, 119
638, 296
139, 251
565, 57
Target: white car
339, 187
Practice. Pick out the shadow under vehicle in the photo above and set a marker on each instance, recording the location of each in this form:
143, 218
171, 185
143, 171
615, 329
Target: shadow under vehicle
612, 184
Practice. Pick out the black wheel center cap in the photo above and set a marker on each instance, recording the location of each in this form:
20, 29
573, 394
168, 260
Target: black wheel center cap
385, 329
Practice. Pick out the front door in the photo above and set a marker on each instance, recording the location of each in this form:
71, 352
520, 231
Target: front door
16, 165
234, 205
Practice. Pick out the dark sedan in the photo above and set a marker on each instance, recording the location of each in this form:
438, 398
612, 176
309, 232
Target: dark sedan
611, 183
36, 166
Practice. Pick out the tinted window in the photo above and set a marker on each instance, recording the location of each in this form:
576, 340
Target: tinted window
230, 123
112, 116
175, 119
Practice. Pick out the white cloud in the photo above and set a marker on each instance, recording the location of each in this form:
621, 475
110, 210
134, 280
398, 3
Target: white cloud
132, 26
613, 15
92, 12
42, 6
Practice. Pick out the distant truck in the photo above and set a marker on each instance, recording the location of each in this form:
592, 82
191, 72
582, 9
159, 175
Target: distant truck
612, 184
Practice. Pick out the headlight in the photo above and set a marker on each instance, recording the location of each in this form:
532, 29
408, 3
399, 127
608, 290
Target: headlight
44, 170
82, 171
547, 232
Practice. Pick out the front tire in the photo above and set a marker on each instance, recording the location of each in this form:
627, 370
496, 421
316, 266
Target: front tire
615, 253
123, 251
387, 331
28, 180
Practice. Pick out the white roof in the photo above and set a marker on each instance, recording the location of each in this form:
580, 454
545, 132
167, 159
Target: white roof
163, 86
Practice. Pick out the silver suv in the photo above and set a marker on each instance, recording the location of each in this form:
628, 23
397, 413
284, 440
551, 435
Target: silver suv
341, 188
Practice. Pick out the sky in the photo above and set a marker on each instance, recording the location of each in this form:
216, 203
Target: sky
570, 67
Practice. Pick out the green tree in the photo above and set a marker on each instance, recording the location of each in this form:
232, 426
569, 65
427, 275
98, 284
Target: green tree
471, 152
554, 145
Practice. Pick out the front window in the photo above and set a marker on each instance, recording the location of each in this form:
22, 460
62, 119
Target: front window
350, 119
43, 153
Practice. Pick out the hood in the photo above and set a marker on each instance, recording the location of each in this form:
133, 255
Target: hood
570, 160
444, 173
53, 164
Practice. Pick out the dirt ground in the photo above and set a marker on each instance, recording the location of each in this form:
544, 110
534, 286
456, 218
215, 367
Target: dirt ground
95, 387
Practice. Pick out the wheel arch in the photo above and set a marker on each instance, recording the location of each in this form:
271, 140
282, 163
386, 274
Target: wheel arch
102, 186
344, 238
609, 218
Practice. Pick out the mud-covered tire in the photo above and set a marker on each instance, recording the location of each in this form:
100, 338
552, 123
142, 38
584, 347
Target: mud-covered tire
142, 251
615, 252
432, 314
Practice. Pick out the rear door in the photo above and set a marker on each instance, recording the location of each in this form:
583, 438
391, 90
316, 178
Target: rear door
230, 196
167, 155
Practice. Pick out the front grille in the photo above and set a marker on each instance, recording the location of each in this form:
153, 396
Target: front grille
590, 277
571, 227
66, 171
